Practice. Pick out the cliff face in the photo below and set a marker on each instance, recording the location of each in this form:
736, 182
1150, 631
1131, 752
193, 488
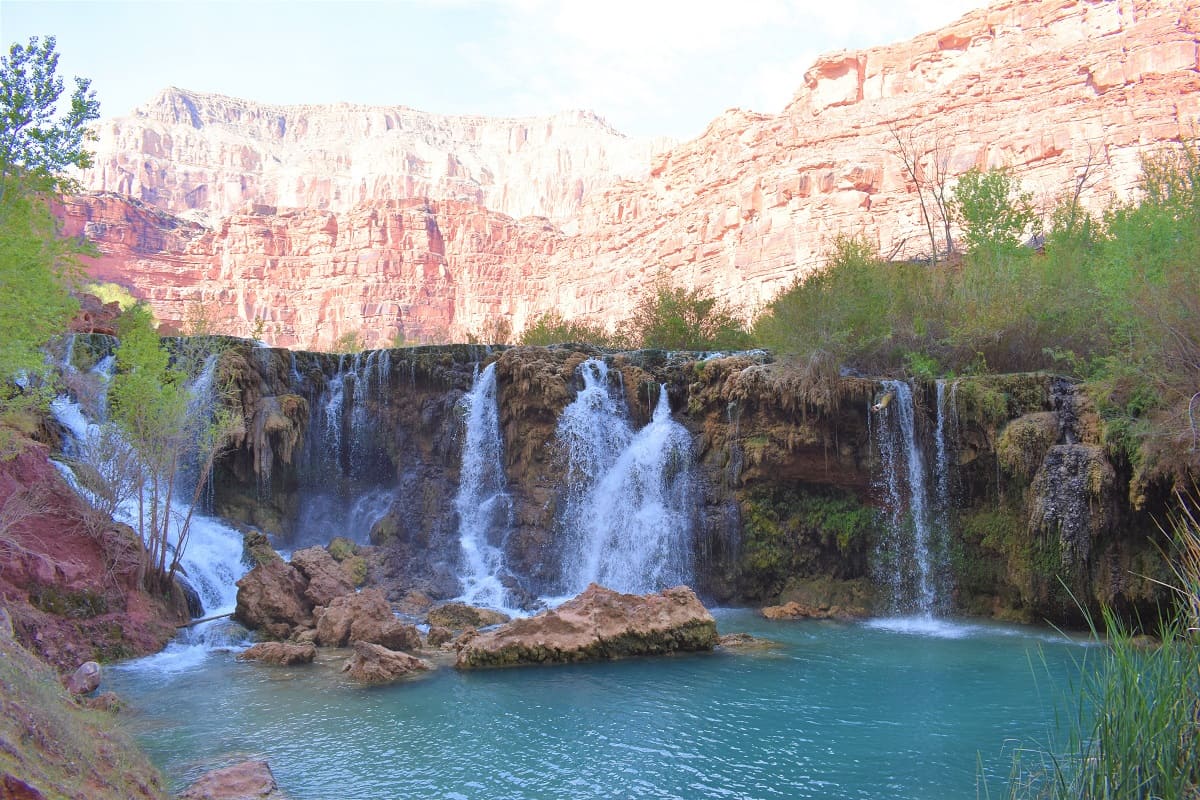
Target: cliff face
212, 155
790, 475
1060, 91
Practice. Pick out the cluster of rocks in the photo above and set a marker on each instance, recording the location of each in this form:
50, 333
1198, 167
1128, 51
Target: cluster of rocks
312, 602
309, 603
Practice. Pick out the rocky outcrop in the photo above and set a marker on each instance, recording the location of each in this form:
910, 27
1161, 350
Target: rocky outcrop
326, 581
374, 664
271, 598
284, 654
740, 211
69, 577
85, 679
599, 624
249, 780
364, 617
54, 749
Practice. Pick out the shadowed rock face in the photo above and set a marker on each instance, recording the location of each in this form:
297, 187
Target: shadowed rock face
786, 479
598, 625
435, 247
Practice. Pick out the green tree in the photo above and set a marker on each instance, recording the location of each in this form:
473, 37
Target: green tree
37, 264
36, 144
673, 318
993, 211
152, 406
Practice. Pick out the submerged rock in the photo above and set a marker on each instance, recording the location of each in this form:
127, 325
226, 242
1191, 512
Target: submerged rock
372, 663
460, 616
597, 625
281, 653
794, 610
364, 617
745, 641
249, 780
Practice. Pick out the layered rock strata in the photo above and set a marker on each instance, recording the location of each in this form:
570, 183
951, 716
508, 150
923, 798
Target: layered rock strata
1067, 94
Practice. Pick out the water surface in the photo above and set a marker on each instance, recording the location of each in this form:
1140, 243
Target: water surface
888, 709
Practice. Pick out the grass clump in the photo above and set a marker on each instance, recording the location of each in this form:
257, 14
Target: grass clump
1136, 731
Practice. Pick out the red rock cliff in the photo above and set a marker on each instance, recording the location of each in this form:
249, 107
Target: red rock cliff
1045, 86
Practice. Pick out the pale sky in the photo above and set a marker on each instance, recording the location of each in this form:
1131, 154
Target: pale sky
650, 67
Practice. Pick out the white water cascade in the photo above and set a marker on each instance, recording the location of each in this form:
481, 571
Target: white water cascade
911, 557
483, 504
212, 561
628, 512
345, 492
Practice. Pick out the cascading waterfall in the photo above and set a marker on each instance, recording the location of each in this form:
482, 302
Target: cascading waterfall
911, 555
628, 513
212, 560
345, 493
484, 506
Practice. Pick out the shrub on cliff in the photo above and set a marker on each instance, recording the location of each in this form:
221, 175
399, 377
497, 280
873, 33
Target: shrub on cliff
551, 328
673, 318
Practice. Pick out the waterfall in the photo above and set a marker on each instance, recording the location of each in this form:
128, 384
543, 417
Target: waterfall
213, 558
346, 486
911, 556
629, 504
483, 504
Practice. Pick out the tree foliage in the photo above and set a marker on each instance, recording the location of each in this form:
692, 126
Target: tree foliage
174, 436
1113, 300
552, 328
994, 213
37, 264
36, 143
674, 318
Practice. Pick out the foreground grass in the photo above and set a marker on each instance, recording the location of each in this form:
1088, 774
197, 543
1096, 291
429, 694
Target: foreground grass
1135, 733
62, 750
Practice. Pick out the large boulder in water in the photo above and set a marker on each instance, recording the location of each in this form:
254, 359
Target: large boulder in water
372, 663
326, 580
597, 625
364, 617
271, 598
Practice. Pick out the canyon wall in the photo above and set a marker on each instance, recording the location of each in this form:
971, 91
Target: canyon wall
1061, 91
206, 156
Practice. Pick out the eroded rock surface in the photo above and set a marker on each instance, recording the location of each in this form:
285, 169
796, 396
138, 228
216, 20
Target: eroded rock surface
364, 617
739, 211
271, 598
599, 624
284, 654
249, 780
373, 664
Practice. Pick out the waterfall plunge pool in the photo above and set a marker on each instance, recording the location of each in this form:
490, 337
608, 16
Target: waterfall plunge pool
883, 709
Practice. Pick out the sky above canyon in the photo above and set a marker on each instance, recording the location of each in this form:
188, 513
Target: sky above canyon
650, 67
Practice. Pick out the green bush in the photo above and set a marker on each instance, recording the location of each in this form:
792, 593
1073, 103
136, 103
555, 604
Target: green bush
672, 318
551, 328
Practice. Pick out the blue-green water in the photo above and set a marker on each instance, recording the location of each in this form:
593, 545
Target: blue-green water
836, 711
